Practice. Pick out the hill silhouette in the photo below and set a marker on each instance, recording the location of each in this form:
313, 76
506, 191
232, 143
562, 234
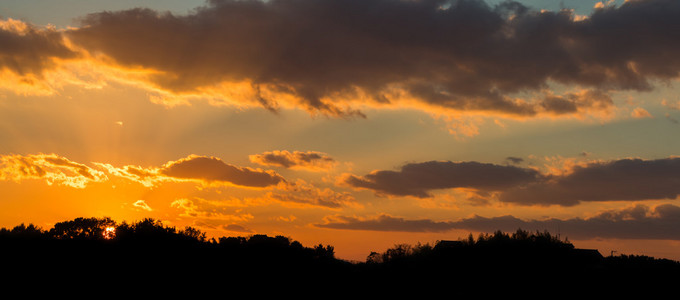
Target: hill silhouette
98, 253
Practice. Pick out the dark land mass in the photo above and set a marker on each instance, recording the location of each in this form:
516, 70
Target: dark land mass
147, 258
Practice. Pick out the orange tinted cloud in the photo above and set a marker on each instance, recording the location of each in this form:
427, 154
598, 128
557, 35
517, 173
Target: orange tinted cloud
385, 222
211, 169
640, 113
27, 56
212, 210
207, 170
465, 57
671, 105
301, 193
578, 103
28, 50
148, 177
310, 160
141, 204
52, 168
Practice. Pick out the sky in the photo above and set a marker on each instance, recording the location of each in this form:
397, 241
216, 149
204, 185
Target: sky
356, 123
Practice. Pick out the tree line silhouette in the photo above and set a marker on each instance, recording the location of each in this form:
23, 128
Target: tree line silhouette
89, 250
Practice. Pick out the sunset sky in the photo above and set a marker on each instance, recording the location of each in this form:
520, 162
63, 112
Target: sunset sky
355, 123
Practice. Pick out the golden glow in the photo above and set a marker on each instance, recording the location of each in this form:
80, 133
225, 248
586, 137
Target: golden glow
109, 232
50, 167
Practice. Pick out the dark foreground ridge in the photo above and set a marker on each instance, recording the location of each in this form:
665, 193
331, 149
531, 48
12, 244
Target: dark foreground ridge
146, 256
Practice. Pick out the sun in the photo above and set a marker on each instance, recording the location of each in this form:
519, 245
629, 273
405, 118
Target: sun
109, 232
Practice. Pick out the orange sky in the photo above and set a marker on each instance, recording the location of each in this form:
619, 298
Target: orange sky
360, 125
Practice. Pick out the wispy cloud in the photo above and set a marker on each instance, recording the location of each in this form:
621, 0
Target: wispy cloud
304, 194
640, 113
141, 204
671, 105
49, 167
203, 169
209, 210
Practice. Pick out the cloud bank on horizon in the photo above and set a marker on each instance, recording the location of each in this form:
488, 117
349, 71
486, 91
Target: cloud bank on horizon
635, 222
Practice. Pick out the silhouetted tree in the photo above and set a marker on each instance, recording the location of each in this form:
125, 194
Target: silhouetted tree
322, 252
399, 251
193, 233
232, 242
23, 231
82, 228
72, 252
374, 258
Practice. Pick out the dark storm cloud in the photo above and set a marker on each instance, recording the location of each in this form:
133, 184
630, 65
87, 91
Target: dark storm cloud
27, 50
618, 180
460, 54
637, 222
417, 179
626, 179
212, 169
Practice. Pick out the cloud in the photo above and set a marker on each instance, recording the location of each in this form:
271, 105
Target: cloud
417, 179
27, 51
592, 101
211, 169
385, 223
310, 160
635, 222
148, 177
514, 160
50, 167
625, 179
671, 105
301, 193
640, 113
236, 228
203, 169
141, 204
329, 56
617, 180
209, 210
